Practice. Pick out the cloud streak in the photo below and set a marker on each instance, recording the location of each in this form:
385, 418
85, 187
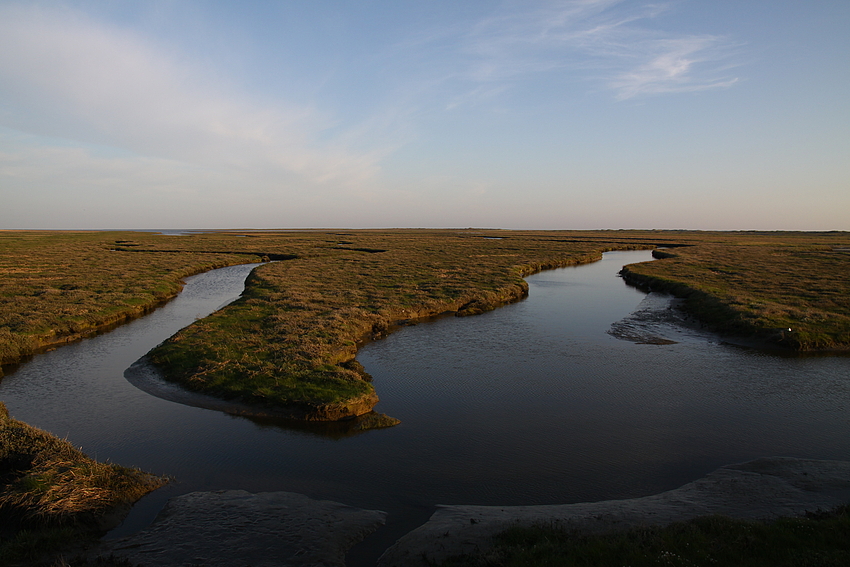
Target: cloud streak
608, 40
67, 76
670, 67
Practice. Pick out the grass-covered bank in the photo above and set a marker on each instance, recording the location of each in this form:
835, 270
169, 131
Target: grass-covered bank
816, 540
56, 287
792, 289
293, 337
290, 341
53, 497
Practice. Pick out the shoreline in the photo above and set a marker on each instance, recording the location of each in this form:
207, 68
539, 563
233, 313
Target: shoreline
474, 303
772, 340
759, 489
54, 340
146, 377
398, 323
303, 527
640, 327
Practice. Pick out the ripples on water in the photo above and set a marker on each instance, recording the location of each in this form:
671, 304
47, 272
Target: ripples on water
534, 403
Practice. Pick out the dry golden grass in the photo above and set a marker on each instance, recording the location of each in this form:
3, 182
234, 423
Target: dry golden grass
292, 338
56, 286
53, 498
45, 481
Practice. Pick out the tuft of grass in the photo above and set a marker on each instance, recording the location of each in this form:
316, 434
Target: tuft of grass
52, 495
817, 540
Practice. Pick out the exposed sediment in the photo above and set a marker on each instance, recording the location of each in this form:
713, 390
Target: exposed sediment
721, 319
763, 488
281, 528
764, 294
235, 527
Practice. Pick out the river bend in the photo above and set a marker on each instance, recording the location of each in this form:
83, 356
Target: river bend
533, 403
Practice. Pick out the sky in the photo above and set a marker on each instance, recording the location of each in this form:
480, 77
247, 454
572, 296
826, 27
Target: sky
576, 114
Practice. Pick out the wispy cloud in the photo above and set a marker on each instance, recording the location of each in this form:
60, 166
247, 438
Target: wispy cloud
611, 42
674, 65
62, 74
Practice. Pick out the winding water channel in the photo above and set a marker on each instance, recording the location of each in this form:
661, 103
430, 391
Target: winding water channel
534, 403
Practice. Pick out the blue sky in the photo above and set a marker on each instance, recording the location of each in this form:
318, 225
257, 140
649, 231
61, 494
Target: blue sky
528, 114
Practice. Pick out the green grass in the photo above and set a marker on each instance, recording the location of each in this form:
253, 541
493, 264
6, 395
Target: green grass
821, 540
292, 338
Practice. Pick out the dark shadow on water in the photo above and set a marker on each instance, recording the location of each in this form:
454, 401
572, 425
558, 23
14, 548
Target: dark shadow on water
328, 429
143, 375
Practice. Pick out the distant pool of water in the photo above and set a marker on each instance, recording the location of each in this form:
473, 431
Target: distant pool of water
533, 403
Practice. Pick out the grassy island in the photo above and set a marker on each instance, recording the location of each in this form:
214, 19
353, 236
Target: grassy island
290, 341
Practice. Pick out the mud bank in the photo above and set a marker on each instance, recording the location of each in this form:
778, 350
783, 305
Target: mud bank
763, 488
235, 527
725, 313
282, 528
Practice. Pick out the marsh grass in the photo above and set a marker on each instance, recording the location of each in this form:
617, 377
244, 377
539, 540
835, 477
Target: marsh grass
300, 322
789, 288
51, 493
58, 286
821, 539
291, 339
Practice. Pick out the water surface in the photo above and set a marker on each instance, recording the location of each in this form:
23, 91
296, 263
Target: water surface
534, 403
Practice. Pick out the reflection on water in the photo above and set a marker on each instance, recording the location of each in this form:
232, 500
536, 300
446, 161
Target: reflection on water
534, 403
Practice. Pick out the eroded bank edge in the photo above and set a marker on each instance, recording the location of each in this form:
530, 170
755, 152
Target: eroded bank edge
719, 317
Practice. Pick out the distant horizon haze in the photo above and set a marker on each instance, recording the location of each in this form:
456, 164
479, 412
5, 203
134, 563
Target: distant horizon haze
180, 231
